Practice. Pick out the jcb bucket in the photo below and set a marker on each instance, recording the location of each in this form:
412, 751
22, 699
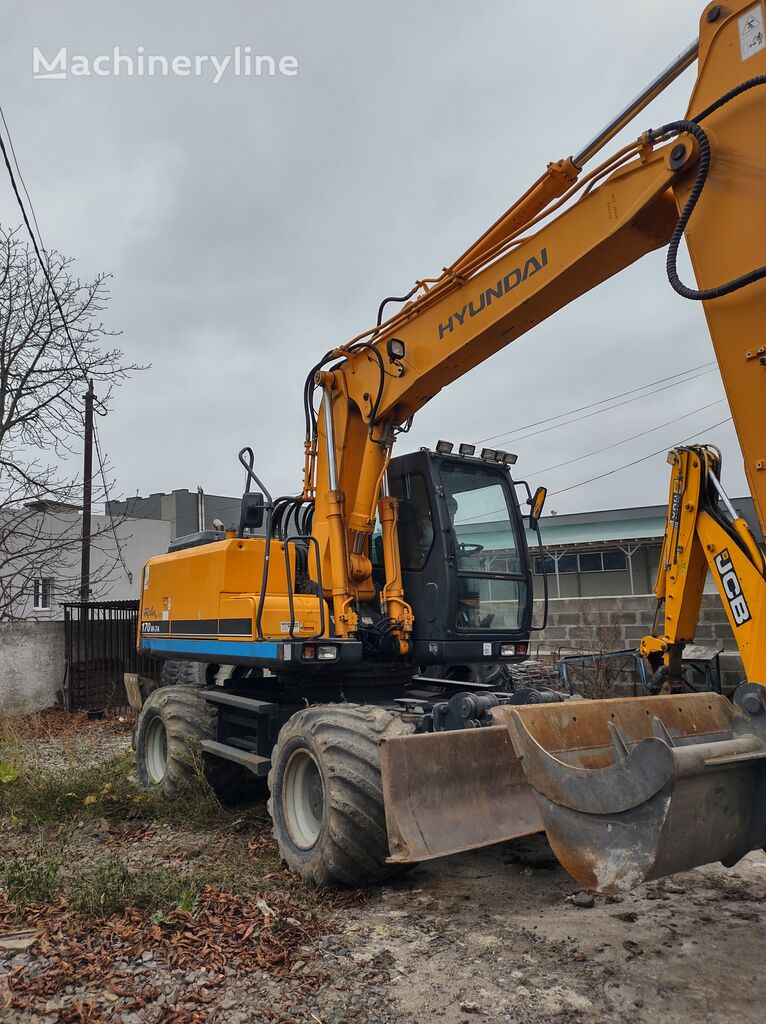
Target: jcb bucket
635, 789
447, 792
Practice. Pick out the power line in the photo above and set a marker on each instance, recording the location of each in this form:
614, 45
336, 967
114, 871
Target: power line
608, 408
64, 321
635, 462
616, 444
107, 504
21, 179
41, 261
612, 398
627, 465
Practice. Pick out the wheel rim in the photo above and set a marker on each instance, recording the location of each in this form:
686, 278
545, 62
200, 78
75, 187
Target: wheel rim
303, 799
156, 750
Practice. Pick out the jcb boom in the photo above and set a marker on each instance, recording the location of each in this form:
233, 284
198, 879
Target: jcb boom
384, 566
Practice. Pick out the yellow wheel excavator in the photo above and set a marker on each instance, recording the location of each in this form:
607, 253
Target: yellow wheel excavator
364, 617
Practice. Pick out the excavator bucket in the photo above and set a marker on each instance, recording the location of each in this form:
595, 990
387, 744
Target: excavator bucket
627, 790
446, 792
634, 789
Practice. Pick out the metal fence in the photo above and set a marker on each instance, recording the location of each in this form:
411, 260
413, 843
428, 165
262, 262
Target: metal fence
100, 639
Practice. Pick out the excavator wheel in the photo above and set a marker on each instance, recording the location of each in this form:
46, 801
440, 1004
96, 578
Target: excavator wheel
173, 721
326, 798
183, 673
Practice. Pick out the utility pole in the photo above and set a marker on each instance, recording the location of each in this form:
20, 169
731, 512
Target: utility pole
87, 480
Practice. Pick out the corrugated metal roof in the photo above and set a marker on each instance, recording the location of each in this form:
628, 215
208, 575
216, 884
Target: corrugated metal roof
568, 534
589, 533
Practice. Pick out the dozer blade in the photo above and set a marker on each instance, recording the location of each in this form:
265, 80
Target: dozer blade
634, 789
447, 792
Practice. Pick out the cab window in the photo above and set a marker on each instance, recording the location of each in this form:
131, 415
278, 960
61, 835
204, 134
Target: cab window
416, 528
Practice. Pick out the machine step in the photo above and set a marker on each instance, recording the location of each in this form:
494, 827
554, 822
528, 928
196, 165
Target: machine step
236, 700
256, 764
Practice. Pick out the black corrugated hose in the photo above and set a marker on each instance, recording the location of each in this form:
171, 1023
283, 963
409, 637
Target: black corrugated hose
693, 128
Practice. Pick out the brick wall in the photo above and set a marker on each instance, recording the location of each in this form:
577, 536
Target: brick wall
579, 625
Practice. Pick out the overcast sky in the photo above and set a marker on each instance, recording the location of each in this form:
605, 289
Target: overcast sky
252, 224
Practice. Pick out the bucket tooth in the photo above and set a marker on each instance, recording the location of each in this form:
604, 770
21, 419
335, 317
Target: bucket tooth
661, 732
618, 742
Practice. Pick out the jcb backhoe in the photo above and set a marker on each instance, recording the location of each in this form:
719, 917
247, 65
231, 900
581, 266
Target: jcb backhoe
330, 605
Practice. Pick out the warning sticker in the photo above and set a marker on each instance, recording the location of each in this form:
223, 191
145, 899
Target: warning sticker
751, 38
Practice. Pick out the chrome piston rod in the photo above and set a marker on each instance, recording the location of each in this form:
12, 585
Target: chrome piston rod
626, 115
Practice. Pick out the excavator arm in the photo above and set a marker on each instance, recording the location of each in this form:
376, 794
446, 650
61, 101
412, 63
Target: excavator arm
702, 177
701, 537
631, 790
626, 789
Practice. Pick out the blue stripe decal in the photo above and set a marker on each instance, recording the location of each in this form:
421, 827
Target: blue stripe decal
215, 648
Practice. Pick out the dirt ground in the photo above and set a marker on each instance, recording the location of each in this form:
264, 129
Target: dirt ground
489, 935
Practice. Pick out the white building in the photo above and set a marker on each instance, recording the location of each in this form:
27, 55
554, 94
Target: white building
40, 558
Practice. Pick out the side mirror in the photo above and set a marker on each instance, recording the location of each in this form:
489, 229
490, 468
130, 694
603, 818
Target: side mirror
251, 514
536, 503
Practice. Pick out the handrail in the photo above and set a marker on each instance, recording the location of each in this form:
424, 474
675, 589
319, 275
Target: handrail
313, 543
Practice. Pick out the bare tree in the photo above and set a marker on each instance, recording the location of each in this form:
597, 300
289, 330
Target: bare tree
46, 359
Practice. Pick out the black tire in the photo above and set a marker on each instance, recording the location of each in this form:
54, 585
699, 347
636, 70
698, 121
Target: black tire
340, 835
173, 721
182, 673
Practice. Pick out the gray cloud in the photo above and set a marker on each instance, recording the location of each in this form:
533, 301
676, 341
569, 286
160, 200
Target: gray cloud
252, 224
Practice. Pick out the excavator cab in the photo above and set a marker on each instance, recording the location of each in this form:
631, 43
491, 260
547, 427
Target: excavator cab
465, 562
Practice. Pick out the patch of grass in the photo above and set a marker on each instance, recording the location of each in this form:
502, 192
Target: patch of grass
108, 790
115, 887
104, 790
30, 879
57, 723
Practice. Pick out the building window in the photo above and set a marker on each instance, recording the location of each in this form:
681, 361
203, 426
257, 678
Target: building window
614, 559
589, 561
610, 560
42, 589
567, 565
550, 566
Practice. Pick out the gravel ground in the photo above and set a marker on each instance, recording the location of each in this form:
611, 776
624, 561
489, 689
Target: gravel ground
493, 935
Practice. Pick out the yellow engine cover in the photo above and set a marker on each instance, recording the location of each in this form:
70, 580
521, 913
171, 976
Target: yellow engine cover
212, 592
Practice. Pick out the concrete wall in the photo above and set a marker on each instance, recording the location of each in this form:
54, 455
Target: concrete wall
580, 625
31, 666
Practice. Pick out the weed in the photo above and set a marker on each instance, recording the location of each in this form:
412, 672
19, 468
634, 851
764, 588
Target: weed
108, 790
45, 795
189, 902
115, 887
30, 880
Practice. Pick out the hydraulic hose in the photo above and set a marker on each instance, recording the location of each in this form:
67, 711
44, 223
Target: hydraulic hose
703, 167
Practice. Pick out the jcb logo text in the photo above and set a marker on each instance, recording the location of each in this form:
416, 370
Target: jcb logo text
732, 588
